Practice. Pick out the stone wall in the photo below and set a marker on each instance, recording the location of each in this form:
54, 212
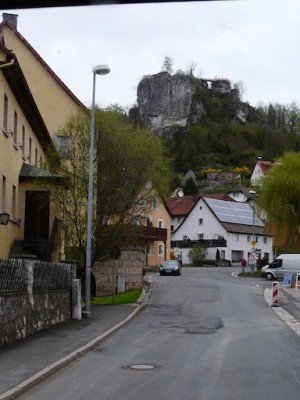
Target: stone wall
130, 263
35, 295
22, 315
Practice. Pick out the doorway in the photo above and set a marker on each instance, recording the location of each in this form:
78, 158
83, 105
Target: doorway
37, 213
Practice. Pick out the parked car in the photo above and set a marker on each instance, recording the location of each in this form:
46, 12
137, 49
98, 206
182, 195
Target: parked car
170, 267
282, 264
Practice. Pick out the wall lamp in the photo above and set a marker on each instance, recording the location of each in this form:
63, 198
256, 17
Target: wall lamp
4, 217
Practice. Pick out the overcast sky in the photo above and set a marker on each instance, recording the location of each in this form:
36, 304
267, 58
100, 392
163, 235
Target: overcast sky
256, 42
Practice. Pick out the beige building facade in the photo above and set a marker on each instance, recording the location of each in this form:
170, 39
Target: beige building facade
34, 105
158, 247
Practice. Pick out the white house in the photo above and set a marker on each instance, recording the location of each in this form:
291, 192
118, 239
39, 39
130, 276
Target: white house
224, 225
259, 170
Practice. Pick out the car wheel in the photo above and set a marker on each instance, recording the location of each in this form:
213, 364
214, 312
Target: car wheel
269, 276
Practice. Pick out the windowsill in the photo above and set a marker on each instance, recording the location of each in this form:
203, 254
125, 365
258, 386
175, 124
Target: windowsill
7, 132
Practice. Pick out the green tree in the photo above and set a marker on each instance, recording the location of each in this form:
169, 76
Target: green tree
280, 195
130, 173
132, 170
190, 187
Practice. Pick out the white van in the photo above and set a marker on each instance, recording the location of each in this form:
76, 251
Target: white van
282, 264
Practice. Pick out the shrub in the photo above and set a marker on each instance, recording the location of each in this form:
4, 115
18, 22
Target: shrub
197, 254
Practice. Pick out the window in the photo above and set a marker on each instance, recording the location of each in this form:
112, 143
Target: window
36, 157
15, 127
30, 150
23, 139
222, 254
160, 223
63, 144
172, 228
5, 113
248, 238
265, 239
160, 249
3, 200
184, 237
14, 202
200, 236
200, 221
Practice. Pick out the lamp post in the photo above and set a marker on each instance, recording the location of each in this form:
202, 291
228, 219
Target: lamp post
253, 194
97, 70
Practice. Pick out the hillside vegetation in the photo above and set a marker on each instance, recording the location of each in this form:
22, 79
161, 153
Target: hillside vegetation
218, 142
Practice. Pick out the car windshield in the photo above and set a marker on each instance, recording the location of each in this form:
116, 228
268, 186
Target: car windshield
170, 263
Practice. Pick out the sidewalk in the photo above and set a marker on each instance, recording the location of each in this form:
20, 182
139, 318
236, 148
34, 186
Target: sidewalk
30, 360
289, 306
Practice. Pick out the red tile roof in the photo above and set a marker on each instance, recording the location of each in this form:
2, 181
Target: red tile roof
265, 165
181, 206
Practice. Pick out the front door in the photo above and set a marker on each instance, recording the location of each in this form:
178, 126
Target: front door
37, 212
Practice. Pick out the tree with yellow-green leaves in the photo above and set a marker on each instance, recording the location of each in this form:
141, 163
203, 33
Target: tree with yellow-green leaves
280, 196
131, 173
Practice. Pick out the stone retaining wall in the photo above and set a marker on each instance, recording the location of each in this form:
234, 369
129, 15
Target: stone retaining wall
130, 263
22, 315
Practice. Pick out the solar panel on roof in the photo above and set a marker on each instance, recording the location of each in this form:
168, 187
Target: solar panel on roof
233, 212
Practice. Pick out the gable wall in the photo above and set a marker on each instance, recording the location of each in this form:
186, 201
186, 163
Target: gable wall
191, 228
54, 103
256, 175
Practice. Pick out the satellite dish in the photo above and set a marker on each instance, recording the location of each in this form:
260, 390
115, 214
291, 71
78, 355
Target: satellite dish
180, 193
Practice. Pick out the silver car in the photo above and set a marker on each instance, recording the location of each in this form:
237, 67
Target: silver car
170, 267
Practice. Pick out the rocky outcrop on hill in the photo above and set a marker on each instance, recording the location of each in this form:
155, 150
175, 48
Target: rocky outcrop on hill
168, 103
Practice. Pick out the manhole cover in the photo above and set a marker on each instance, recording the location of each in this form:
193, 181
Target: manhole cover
143, 367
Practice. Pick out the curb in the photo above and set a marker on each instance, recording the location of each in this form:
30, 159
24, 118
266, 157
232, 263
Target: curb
46, 372
283, 314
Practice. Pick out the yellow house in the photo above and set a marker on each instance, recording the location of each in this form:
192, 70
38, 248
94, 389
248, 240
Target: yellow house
158, 237
34, 105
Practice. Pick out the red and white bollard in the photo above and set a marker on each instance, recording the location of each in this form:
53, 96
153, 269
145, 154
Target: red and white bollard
275, 294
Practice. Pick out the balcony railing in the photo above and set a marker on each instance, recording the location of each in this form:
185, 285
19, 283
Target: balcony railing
190, 243
151, 233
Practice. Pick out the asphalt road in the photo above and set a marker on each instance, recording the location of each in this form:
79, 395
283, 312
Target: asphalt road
204, 335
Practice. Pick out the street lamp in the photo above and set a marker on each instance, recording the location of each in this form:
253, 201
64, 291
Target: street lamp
98, 70
4, 217
253, 195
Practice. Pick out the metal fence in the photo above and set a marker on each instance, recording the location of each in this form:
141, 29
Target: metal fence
50, 276
15, 276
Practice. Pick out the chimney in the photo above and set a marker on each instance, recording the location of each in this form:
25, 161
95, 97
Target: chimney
11, 19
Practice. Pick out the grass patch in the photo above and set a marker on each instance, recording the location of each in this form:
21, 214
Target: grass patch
120, 298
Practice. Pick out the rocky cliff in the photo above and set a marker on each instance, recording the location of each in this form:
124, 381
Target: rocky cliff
167, 103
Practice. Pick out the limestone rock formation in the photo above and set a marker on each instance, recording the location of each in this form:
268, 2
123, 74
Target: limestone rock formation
168, 103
